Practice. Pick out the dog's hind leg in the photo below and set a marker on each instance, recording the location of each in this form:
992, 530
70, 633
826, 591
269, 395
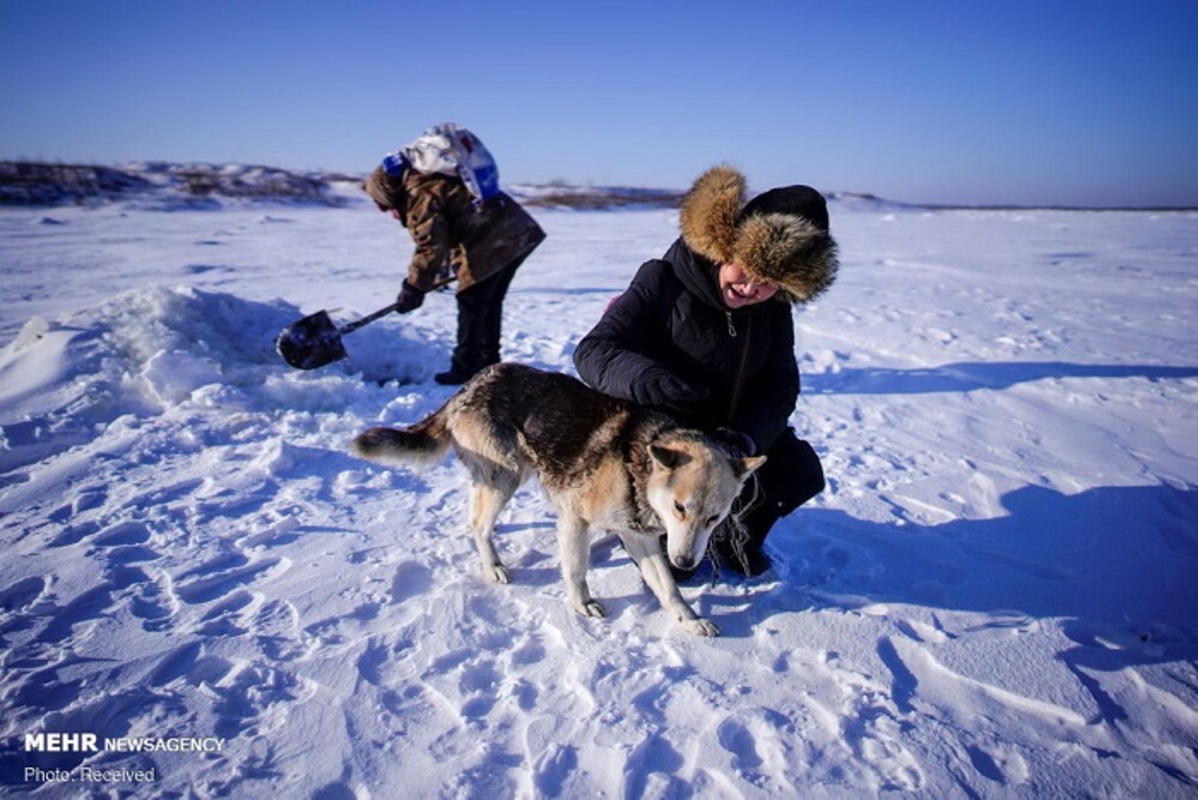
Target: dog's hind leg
575, 546
487, 499
646, 553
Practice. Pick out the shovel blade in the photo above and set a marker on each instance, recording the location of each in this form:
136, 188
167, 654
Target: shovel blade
311, 342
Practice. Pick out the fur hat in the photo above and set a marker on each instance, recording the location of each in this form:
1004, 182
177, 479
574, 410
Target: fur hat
383, 188
780, 237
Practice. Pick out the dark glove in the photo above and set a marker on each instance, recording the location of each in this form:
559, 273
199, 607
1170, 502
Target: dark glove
409, 299
662, 388
741, 445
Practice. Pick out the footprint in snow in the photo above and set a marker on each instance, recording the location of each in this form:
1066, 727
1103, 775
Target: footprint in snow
232, 616
208, 587
411, 579
21, 594
754, 738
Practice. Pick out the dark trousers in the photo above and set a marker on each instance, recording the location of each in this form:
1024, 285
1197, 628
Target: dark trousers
480, 321
791, 475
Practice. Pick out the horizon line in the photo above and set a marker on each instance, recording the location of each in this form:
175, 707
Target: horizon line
326, 175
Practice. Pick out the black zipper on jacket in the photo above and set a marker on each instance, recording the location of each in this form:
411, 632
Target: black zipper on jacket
742, 371
731, 327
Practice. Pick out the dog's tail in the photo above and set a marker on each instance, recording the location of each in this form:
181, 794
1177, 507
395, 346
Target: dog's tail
415, 445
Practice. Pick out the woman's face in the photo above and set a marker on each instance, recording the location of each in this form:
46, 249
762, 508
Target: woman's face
739, 291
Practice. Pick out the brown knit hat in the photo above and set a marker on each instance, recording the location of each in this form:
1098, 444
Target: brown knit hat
780, 237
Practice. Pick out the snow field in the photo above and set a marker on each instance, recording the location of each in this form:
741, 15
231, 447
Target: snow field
993, 598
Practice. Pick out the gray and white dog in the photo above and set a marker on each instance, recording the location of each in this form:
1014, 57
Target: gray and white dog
605, 464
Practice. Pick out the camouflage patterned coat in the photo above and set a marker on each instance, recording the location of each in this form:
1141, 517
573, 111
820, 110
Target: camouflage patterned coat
450, 231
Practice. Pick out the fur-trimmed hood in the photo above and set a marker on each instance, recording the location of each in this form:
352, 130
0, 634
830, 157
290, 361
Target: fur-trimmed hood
779, 237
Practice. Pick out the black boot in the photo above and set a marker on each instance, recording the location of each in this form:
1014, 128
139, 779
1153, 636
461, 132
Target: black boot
791, 476
455, 376
743, 551
464, 365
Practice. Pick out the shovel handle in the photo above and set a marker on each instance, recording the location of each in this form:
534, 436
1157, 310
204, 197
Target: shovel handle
382, 312
369, 318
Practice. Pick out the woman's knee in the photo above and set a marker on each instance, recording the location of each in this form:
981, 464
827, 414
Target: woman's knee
792, 473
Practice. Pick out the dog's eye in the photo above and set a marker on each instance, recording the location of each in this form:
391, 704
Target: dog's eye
681, 509
712, 521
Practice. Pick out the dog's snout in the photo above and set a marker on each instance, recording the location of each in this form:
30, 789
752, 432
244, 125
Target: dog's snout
683, 562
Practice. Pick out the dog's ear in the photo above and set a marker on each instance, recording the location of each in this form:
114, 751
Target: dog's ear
743, 467
670, 459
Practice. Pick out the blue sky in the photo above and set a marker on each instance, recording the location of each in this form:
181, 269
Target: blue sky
1085, 102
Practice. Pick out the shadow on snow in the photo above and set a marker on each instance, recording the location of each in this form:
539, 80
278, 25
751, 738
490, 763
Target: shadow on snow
969, 376
1117, 564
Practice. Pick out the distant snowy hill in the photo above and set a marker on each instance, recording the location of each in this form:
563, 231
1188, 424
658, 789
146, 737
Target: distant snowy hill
160, 185
188, 185
157, 184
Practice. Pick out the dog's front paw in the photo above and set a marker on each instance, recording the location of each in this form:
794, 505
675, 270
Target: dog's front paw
497, 573
700, 627
590, 608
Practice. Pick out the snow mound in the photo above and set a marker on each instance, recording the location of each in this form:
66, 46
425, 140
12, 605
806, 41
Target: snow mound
151, 351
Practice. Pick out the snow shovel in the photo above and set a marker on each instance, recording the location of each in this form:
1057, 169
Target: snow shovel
315, 341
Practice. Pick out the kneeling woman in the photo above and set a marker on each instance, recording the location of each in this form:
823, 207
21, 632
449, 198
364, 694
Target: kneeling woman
706, 333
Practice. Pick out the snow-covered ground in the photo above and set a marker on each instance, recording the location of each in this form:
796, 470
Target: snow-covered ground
996, 596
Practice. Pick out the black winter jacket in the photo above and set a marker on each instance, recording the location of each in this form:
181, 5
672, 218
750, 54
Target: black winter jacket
670, 341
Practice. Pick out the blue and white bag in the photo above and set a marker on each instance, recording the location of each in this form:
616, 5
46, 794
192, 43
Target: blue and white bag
450, 149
